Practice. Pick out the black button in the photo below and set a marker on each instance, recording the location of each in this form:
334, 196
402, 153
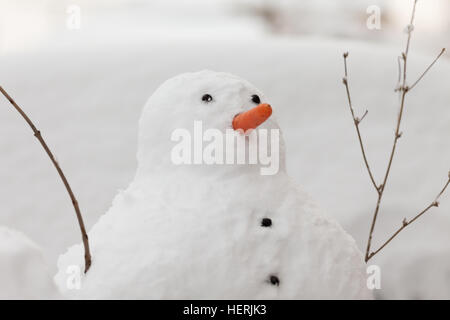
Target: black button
266, 222
207, 98
274, 280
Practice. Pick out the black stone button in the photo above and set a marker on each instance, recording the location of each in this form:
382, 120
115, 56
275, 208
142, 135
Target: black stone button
274, 280
266, 222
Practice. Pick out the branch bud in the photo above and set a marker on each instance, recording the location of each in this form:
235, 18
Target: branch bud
405, 223
409, 28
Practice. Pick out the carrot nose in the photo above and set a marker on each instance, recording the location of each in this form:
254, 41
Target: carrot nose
252, 118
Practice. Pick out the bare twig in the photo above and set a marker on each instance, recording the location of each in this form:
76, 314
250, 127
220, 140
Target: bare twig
409, 30
38, 135
404, 89
427, 69
406, 223
399, 80
357, 121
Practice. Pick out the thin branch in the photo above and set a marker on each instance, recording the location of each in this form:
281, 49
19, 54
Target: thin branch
404, 90
409, 29
406, 223
357, 121
399, 79
427, 69
37, 134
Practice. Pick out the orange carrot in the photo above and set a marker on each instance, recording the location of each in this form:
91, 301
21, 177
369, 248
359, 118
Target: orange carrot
252, 118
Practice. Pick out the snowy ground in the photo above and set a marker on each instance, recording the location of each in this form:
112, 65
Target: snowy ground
87, 103
24, 273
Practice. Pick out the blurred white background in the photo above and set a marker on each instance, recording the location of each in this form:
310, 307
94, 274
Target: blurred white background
30, 24
85, 87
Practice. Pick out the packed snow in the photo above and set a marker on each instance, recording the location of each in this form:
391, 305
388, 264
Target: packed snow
23, 271
195, 231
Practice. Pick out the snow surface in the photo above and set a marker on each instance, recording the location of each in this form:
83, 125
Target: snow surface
23, 271
87, 101
194, 231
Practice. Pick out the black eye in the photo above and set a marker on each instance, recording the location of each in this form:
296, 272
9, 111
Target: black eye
207, 98
256, 99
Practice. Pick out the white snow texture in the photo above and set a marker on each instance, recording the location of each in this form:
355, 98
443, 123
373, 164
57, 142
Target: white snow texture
23, 272
194, 231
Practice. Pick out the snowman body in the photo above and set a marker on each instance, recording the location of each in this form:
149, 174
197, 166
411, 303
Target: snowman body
218, 231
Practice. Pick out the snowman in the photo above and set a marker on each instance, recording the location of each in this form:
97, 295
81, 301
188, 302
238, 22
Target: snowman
213, 229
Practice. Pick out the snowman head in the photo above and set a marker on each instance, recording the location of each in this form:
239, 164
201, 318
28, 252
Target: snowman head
193, 115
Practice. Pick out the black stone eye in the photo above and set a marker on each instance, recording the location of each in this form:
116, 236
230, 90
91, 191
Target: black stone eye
256, 99
266, 222
207, 98
274, 280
